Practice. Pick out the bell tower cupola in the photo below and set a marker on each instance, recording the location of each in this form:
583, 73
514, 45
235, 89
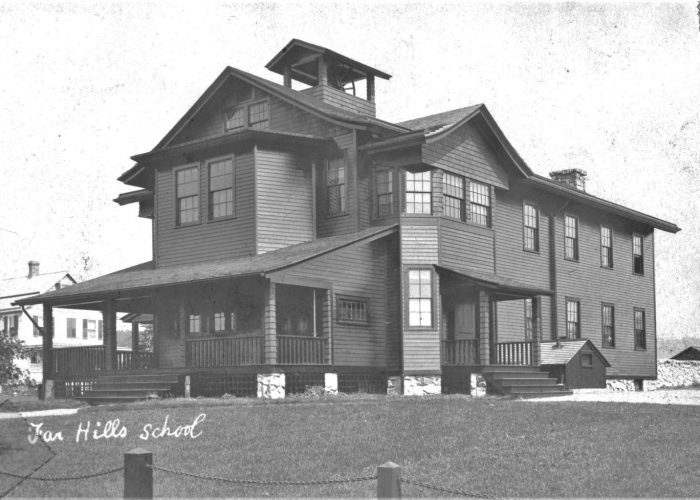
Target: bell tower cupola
333, 78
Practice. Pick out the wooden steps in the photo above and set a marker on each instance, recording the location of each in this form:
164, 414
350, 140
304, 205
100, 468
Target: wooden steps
130, 386
522, 381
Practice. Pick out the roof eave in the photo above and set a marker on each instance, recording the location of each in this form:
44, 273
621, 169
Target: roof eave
401, 141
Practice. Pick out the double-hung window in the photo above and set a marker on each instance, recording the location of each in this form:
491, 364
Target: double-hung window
336, 190
570, 237
608, 325
71, 328
187, 195
384, 198
531, 228
12, 324
194, 326
418, 189
480, 201
606, 248
638, 253
573, 319
453, 195
530, 319
420, 297
37, 321
259, 115
89, 329
640, 330
221, 188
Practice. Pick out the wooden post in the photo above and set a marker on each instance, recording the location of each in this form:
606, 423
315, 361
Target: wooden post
322, 71
47, 351
370, 88
135, 337
484, 329
389, 480
138, 474
109, 338
328, 326
288, 77
270, 326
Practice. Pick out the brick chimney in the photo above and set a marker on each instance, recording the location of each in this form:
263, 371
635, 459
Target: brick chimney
33, 269
574, 177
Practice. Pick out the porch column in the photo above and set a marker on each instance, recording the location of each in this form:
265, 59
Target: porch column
109, 336
270, 325
536, 333
135, 337
484, 328
47, 348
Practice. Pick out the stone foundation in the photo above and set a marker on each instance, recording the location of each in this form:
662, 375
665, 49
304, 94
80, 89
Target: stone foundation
477, 385
393, 386
620, 385
421, 385
330, 385
271, 385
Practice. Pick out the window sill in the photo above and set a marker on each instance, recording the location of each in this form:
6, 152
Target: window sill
609, 268
188, 224
221, 219
642, 349
339, 214
353, 323
420, 328
641, 275
527, 250
608, 347
571, 260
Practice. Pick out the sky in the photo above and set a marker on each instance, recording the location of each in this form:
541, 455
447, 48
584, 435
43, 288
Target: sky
612, 88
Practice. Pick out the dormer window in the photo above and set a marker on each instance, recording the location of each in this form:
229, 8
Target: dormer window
235, 118
259, 115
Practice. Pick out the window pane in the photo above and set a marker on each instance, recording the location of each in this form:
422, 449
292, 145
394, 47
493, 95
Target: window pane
336, 189
259, 115
480, 201
219, 322
235, 118
531, 227
571, 237
384, 188
418, 194
453, 195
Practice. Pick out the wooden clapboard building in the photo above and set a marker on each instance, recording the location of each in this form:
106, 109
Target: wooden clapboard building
298, 239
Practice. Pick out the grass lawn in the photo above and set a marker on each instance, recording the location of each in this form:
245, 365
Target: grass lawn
489, 446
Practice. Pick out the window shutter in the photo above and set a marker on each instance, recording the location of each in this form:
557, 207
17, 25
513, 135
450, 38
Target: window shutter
85, 329
100, 331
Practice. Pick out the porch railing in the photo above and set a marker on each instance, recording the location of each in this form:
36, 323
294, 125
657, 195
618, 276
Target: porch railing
515, 353
135, 360
224, 351
299, 350
460, 352
78, 360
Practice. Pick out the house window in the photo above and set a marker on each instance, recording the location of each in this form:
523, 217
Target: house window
453, 195
235, 118
573, 321
638, 253
221, 188
480, 201
219, 322
608, 325
570, 237
188, 195
335, 186
531, 228
640, 330
89, 329
71, 328
420, 298
418, 198
259, 115
586, 360
530, 319
195, 324
606, 249
37, 321
351, 310
36, 357
100, 329
12, 324
384, 193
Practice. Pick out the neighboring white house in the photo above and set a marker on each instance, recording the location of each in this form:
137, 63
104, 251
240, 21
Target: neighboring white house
72, 327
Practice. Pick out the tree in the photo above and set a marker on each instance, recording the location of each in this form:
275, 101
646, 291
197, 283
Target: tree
12, 349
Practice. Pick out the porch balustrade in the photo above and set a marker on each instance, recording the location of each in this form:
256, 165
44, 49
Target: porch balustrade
79, 360
460, 352
135, 360
515, 353
300, 350
224, 351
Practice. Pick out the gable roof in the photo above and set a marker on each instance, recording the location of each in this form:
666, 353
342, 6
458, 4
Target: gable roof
12, 289
146, 275
692, 351
550, 354
439, 121
296, 49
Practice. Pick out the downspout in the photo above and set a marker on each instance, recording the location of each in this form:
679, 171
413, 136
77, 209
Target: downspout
553, 271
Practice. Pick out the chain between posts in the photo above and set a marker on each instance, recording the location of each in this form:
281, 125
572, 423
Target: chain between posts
447, 490
62, 478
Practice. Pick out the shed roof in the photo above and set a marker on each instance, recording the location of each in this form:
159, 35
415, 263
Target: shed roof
551, 354
496, 282
146, 275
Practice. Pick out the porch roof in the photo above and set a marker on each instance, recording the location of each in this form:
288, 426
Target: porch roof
147, 276
494, 282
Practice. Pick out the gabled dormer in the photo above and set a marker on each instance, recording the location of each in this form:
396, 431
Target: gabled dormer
333, 78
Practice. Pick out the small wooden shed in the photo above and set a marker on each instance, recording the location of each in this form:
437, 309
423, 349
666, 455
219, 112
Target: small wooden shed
576, 363
691, 353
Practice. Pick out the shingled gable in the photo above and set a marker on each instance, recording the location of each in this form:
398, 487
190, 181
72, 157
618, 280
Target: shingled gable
296, 98
146, 276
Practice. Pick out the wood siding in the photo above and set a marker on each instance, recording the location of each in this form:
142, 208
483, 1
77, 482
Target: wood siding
419, 250
592, 284
342, 100
465, 247
466, 152
367, 271
284, 211
208, 240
